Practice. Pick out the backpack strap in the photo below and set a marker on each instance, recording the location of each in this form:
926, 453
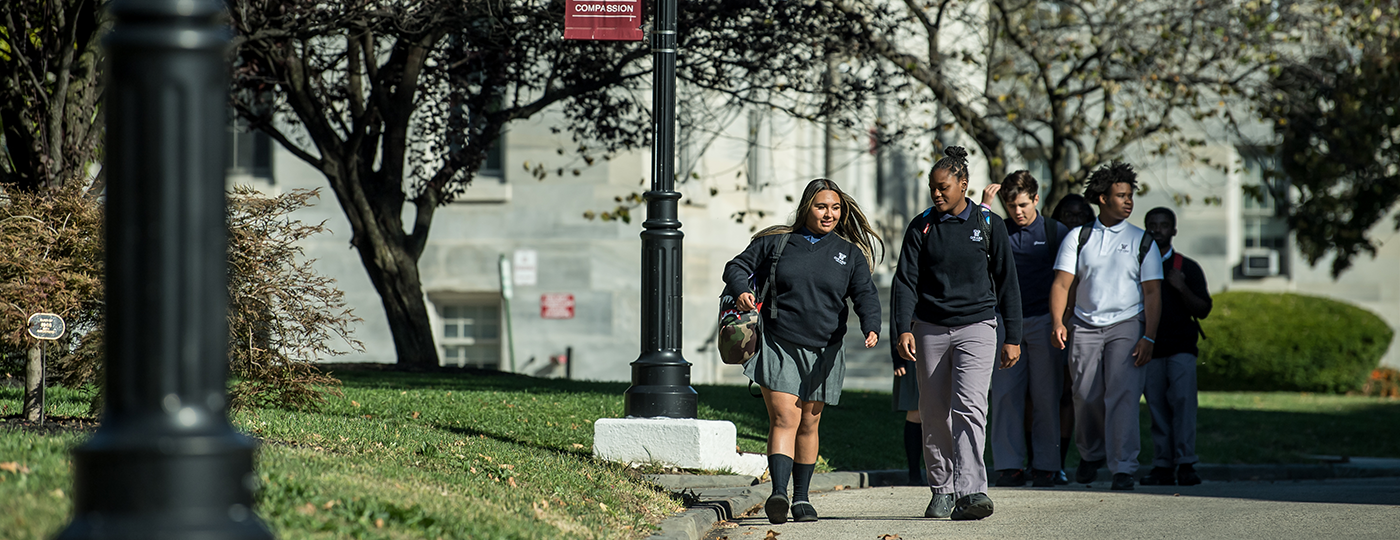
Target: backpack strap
1052, 236
1084, 231
984, 223
1176, 261
1144, 247
773, 275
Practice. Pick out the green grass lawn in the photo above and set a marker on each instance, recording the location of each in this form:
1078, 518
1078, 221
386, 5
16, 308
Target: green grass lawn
469, 456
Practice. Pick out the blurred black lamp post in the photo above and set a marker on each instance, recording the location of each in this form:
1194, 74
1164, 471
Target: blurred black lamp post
165, 462
661, 376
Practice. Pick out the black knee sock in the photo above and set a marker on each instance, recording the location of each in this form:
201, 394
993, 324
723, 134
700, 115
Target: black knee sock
779, 468
801, 480
913, 446
1064, 451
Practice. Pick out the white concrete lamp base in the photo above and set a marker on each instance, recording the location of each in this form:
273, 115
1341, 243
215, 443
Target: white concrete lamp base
676, 442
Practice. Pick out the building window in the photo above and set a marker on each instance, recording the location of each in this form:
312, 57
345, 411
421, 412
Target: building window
492, 166
1265, 225
250, 152
1039, 167
471, 334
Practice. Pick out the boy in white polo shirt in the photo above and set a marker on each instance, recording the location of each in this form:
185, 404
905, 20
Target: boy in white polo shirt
1113, 328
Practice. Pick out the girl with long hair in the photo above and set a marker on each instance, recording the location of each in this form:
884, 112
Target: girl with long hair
826, 258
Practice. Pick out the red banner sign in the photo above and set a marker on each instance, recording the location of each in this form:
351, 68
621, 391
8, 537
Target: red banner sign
556, 306
619, 20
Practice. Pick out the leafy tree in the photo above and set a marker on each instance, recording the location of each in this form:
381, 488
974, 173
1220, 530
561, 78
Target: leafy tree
50, 96
397, 103
50, 262
50, 91
283, 316
1076, 82
1336, 118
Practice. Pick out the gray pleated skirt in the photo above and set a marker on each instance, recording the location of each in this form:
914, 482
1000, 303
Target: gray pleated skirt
810, 373
905, 394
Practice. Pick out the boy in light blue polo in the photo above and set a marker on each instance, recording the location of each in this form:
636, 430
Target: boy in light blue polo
1114, 325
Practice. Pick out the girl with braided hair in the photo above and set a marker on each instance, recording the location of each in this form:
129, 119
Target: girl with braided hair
955, 272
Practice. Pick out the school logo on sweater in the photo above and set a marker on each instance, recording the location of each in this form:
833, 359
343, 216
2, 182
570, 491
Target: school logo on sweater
976, 235
841, 258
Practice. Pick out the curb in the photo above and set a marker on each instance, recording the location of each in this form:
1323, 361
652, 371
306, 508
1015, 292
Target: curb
724, 497
721, 498
1213, 472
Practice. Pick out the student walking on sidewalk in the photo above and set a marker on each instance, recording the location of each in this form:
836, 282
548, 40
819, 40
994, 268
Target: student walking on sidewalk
955, 271
1171, 377
1035, 241
826, 257
1114, 325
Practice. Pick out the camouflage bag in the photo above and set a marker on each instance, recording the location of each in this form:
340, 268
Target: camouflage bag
741, 332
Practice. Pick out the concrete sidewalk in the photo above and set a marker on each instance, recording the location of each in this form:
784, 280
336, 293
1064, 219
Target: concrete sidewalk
1360, 508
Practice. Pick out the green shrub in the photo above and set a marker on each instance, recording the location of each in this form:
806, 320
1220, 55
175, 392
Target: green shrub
1288, 342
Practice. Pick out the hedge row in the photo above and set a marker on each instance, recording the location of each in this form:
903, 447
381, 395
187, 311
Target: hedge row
1288, 342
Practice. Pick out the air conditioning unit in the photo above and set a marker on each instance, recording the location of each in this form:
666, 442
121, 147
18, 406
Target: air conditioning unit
1260, 262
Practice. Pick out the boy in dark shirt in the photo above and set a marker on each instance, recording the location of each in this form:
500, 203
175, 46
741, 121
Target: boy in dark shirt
1171, 376
1035, 240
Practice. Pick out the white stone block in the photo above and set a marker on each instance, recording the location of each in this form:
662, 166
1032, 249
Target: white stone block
678, 442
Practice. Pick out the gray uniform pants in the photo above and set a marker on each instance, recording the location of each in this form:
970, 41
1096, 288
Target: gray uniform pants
1041, 374
1107, 387
1171, 398
955, 369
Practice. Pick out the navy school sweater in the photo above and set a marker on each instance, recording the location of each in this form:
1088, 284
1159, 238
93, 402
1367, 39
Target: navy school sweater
945, 277
813, 283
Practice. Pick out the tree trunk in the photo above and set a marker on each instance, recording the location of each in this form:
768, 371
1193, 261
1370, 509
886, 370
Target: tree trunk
34, 385
395, 277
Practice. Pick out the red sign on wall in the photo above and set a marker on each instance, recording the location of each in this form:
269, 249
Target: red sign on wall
556, 306
619, 20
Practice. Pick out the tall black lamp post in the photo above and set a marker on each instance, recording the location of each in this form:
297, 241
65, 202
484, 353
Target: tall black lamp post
661, 376
165, 462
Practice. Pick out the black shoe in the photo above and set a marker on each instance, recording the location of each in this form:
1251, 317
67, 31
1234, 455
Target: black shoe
1186, 475
803, 511
1061, 479
1122, 482
776, 508
1088, 470
1160, 476
1011, 478
940, 507
1042, 478
974, 506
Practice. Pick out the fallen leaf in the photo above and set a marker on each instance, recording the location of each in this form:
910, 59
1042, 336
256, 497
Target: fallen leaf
307, 509
603, 506
888, 537
328, 505
508, 466
415, 415
379, 523
57, 493
486, 457
577, 445
404, 393
355, 403
839, 488
473, 470
10, 466
449, 393
772, 535
511, 481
